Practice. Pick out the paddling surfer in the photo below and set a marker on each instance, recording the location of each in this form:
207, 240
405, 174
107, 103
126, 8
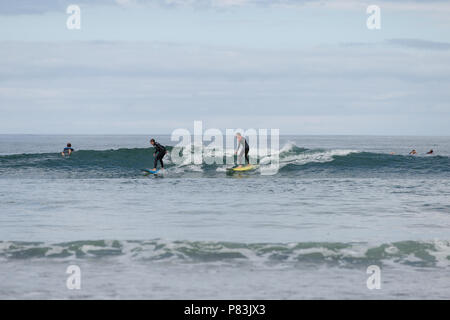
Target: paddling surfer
67, 150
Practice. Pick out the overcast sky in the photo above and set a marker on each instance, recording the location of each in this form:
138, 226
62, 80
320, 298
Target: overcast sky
305, 67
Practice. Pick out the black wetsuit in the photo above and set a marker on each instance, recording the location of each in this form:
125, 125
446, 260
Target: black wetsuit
160, 152
246, 149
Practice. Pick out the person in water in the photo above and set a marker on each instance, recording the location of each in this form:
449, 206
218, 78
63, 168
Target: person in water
413, 152
242, 149
160, 152
67, 150
430, 152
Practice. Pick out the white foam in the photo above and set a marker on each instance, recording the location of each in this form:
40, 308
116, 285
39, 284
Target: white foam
308, 157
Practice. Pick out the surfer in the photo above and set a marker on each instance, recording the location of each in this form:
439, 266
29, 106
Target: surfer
413, 152
67, 150
242, 149
430, 152
160, 152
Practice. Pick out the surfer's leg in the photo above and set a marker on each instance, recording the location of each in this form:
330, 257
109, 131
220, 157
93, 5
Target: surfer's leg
246, 156
241, 153
160, 160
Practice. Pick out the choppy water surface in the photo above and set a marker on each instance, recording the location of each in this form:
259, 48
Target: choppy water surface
336, 206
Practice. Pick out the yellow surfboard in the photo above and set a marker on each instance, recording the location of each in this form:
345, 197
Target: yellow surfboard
243, 168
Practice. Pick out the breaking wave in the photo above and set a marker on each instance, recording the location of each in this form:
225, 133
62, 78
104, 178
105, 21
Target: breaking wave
414, 253
293, 161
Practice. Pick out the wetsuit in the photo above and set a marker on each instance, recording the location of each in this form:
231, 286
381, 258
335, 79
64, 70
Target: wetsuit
160, 152
245, 148
67, 150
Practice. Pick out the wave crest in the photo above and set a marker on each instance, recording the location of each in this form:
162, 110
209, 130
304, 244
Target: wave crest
293, 161
415, 253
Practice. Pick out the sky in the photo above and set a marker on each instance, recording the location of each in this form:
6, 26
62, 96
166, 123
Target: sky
301, 66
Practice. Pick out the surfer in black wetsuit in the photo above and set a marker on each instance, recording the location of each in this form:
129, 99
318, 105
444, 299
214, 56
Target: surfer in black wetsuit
242, 148
160, 152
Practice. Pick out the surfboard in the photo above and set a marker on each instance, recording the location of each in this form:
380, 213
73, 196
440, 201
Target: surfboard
151, 171
242, 169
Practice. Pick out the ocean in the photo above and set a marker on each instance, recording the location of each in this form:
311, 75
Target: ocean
337, 205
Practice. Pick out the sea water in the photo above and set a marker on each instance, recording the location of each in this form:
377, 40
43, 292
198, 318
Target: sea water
338, 205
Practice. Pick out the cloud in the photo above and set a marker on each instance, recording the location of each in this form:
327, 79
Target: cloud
176, 61
42, 84
17, 7
401, 43
419, 44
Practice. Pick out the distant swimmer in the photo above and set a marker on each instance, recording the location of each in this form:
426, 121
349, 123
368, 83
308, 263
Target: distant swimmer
242, 149
67, 150
430, 152
160, 152
413, 152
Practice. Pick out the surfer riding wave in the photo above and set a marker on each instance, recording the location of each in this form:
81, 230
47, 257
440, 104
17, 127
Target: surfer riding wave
160, 152
242, 149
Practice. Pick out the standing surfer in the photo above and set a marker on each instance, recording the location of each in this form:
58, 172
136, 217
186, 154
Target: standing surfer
242, 149
160, 152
